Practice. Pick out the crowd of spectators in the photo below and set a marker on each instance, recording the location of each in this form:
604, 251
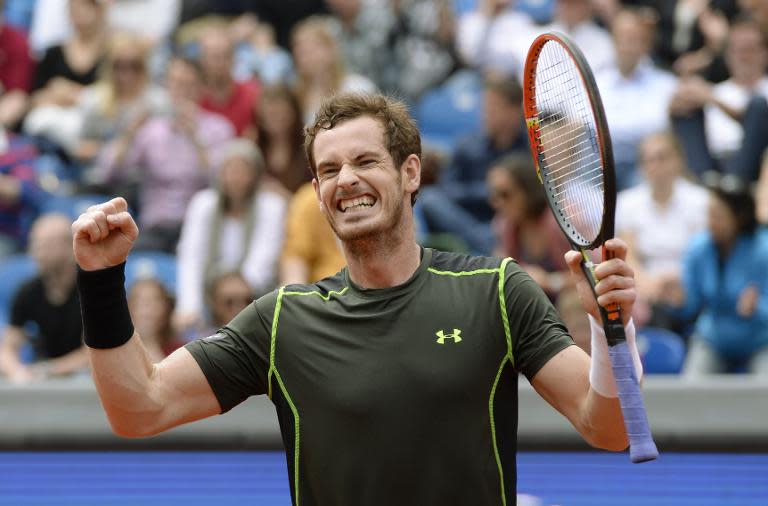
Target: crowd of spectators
193, 110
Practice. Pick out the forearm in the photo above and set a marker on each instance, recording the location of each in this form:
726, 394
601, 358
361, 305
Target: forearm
123, 379
602, 424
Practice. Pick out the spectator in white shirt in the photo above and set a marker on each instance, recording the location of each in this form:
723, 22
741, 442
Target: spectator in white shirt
657, 218
724, 104
236, 227
635, 92
495, 37
576, 19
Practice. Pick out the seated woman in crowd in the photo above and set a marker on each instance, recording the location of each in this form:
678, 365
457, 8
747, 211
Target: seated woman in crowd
281, 138
64, 71
122, 99
151, 308
235, 227
657, 218
524, 226
320, 65
725, 283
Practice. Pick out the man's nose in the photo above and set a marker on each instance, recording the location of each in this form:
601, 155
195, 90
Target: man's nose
347, 176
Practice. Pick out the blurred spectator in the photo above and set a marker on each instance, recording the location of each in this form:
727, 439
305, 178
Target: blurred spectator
122, 100
320, 66
724, 104
20, 196
311, 251
226, 295
279, 14
524, 227
281, 138
64, 71
154, 20
627, 84
422, 46
235, 227
761, 193
362, 34
46, 309
235, 100
495, 37
657, 218
576, 19
572, 313
173, 157
757, 10
151, 308
15, 74
257, 53
458, 204
725, 282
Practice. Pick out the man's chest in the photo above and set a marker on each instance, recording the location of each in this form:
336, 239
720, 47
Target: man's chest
398, 354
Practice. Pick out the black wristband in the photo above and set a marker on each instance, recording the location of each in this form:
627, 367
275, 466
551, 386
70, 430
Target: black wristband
104, 307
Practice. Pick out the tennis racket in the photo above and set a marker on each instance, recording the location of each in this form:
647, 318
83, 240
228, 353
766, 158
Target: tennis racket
572, 151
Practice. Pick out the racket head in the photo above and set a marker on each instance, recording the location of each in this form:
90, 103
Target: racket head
569, 139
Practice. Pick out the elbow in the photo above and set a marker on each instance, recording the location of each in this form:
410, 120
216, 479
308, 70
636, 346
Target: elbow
133, 425
612, 440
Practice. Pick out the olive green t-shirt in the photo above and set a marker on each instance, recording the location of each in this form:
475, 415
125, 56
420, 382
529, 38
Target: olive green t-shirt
404, 396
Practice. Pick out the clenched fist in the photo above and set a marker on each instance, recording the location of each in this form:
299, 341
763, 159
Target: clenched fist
103, 235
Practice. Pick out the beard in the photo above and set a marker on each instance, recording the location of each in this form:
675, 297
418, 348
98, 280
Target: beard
379, 229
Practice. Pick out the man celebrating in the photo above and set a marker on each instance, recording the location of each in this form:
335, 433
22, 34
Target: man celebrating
394, 381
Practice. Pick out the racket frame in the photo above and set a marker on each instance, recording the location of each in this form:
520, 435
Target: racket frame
642, 447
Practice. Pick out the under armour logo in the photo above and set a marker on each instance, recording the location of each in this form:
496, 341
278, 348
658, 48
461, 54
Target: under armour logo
442, 336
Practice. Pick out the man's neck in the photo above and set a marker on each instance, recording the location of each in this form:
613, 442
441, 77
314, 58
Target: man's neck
382, 262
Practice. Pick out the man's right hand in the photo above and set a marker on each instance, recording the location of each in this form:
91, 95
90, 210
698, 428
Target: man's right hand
103, 235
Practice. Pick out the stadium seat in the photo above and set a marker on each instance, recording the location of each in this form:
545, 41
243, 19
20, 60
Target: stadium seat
151, 264
74, 205
662, 351
451, 110
14, 270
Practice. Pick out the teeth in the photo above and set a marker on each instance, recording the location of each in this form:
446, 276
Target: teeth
358, 202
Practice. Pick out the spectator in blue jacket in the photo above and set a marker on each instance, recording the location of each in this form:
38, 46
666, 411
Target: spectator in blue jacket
725, 282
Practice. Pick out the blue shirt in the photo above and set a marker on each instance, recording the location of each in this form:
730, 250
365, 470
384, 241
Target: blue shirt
464, 179
712, 289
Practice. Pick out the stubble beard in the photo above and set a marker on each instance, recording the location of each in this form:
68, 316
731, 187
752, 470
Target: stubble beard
374, 236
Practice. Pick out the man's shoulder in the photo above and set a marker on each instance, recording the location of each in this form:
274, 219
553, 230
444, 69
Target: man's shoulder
462, 263
324, 287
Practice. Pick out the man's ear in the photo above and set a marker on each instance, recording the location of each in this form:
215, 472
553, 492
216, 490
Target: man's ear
316, 186
411, 170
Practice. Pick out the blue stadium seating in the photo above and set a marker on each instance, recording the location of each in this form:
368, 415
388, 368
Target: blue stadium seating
662, 351
451, 110
151, 264
73, 205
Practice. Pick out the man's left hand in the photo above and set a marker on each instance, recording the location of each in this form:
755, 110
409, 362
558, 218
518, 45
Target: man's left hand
615, 281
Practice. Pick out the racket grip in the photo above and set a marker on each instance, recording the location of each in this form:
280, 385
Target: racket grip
641, 445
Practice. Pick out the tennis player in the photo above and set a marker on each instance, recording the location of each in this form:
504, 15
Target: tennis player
394, 381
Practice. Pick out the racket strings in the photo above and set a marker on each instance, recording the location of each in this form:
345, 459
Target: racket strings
572, 165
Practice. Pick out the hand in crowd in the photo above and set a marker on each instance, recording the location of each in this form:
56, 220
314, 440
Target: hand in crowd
615, 281
493, 8
103, 235
693, 92
747, 302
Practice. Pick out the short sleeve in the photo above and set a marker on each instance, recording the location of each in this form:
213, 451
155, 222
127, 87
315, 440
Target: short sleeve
235, 360
537, 331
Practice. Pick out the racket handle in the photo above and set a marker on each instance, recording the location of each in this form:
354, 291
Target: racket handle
641, 445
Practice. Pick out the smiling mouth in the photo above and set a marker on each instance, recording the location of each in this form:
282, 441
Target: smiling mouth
356, 204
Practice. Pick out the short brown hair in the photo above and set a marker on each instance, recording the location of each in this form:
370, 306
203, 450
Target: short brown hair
401, 135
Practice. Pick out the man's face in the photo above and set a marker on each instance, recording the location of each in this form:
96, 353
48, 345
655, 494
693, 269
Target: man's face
360, 191
499, 114
632, 41
50, 244
746, 54
182, 82
216, 55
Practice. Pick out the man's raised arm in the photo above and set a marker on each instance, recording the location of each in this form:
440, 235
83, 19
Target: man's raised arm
139, 397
